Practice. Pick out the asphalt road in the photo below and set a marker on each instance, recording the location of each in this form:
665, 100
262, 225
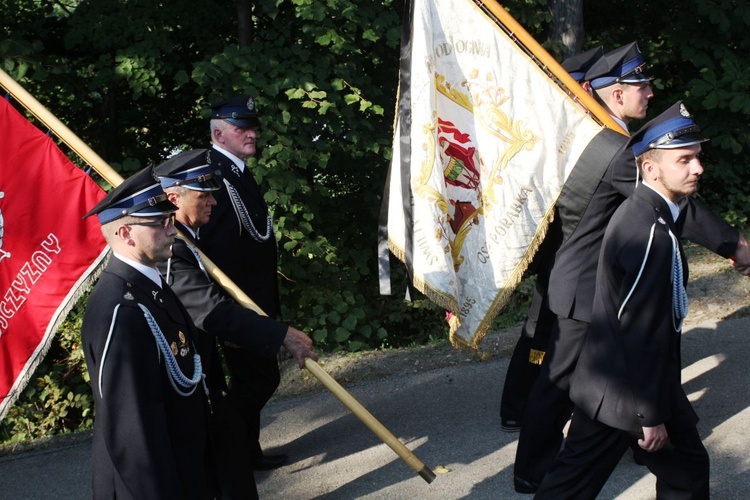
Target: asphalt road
448, 418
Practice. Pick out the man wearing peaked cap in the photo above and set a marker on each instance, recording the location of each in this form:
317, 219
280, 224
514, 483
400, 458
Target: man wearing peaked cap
626, 387
140, 195
619, 81
523, 368
190, 183
238, 111
151, 427
604, 177
239, 238
579, 64
188, 169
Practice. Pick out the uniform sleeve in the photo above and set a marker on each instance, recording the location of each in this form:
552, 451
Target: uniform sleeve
645, 332
217, 314
623, 172
132, 412
700, 225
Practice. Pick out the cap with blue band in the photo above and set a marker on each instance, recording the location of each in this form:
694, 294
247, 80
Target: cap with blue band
140, 195
622, 65
674, 128
579, 64
189, 169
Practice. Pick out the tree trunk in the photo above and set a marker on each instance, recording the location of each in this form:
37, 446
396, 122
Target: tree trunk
244, 22
567, 25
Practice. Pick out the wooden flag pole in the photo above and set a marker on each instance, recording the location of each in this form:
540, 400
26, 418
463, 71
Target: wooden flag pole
551, 64
60, 129
109, 174
329, 382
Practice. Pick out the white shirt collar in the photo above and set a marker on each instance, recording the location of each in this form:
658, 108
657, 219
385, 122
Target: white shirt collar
194, 234
150, 272
236, 159
621, 123
672, 205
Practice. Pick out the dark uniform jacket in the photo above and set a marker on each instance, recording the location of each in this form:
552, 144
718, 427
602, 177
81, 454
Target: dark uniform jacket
250, 264
628, 373
212, 309
590, 197
149, 441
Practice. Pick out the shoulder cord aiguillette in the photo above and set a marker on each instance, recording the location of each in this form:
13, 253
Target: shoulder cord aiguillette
244, 216
679, 294
174, 373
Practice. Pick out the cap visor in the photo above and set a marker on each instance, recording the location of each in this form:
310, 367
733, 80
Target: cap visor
162, 208
243, 122
636, 78
683, 141
207, 185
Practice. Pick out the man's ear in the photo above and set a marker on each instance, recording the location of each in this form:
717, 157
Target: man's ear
617, 95
174, 198
648, 169
123, 234
216, 134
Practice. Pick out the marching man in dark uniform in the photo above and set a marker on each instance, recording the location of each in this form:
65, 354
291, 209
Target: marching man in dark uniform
626, 386
151, 427
240, 240
526, 360
189, 182
605, 175
619, 82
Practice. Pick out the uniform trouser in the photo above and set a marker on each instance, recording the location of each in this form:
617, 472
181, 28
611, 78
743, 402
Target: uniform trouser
549, 406
519, 378
253, 380
232, 455
592, 451
525, 365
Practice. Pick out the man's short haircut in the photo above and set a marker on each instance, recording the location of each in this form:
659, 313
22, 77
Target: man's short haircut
217, 124
650, 154
109, 230
180, 190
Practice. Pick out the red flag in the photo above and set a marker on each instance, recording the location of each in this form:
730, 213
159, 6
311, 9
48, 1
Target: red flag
47, 251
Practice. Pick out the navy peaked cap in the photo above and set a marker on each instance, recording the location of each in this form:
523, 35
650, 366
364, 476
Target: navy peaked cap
140, 195
623, 65
674, 128
579, 64
239, 111
189, 169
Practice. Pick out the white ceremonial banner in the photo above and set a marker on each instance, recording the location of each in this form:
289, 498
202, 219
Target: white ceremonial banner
492, 139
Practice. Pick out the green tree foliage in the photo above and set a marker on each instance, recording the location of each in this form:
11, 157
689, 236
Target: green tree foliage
325, 85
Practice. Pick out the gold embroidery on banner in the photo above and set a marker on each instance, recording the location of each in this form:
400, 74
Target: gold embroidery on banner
483, 100
451, 152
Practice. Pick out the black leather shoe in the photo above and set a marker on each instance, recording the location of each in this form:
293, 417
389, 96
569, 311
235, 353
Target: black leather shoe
268, 462
523, 486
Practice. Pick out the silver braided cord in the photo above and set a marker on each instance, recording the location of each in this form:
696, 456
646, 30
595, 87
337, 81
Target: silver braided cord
244, 216
679, 294
174, 373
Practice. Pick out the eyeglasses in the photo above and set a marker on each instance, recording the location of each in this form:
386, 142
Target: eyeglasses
162, 223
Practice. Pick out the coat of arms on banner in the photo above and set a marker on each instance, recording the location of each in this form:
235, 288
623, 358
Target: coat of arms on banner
487, 145
468, 181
